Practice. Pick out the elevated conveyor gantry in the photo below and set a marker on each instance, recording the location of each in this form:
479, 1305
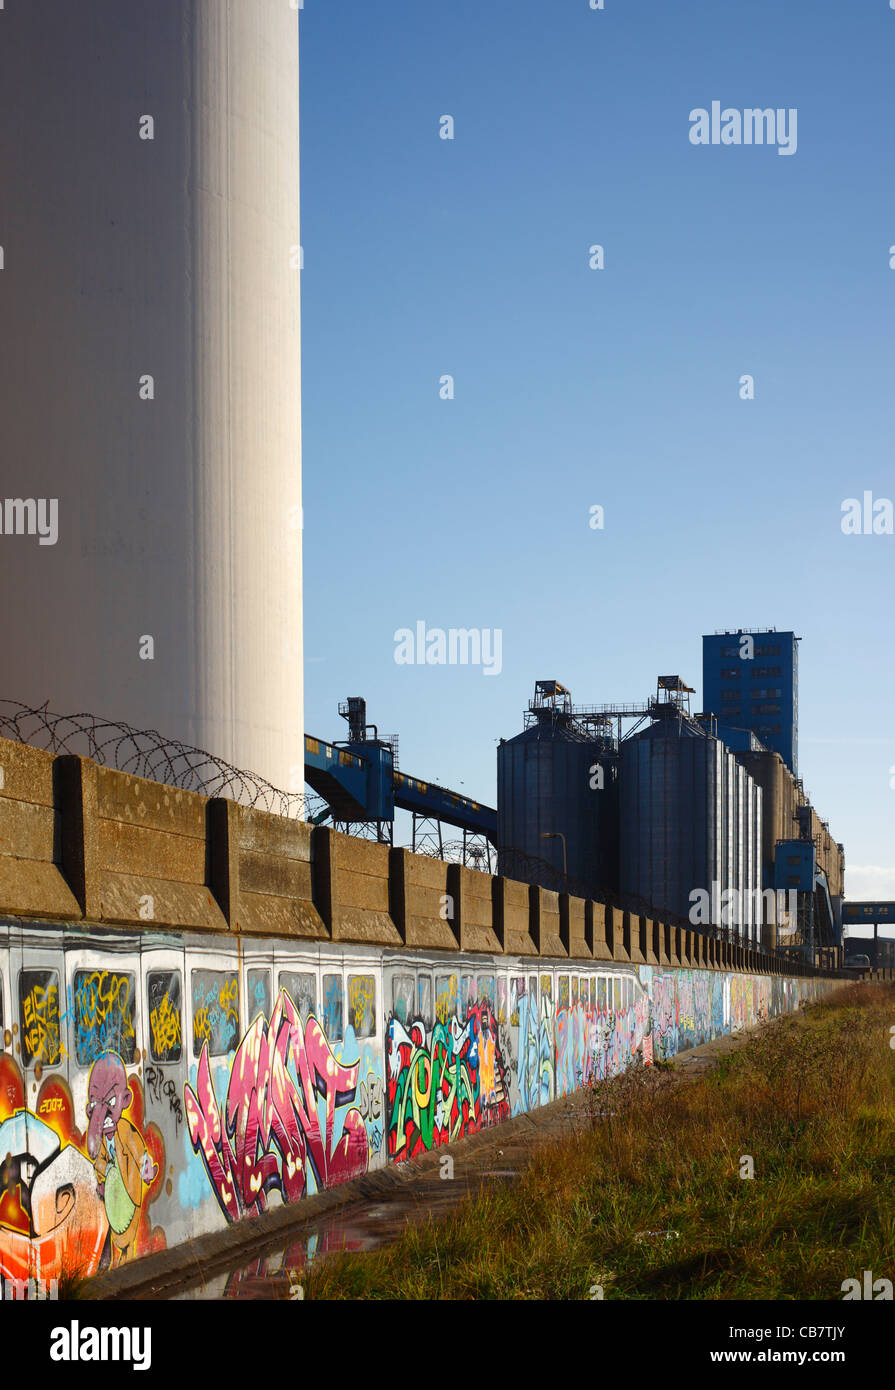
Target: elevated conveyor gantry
360, 783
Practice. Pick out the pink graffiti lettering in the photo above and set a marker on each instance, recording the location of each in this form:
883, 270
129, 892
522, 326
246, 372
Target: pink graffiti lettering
272, 1130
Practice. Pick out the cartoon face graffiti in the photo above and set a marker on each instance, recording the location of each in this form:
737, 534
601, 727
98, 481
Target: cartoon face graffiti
121, 1161
107, 1096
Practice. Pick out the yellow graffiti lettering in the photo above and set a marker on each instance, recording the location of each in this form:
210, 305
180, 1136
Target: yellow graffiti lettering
487, 1061
361, 998
446, 1000
40, 1013
164, 1021
201, 1027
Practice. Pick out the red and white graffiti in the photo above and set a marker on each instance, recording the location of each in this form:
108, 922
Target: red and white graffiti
270, 1131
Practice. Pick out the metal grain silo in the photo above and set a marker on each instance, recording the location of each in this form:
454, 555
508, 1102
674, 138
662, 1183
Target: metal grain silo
690, 820
150, 357
558, 778
672, 811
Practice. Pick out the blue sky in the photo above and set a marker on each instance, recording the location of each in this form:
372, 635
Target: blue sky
620, 387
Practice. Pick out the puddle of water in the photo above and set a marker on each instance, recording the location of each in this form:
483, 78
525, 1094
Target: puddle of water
360, 1228
367, 1226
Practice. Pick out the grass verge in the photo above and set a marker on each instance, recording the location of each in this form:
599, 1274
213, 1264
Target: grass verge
653, 1199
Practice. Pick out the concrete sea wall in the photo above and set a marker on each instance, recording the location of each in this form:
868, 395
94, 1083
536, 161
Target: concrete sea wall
207, 1010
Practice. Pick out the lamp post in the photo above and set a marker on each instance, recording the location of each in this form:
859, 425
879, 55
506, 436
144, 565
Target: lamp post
558, 835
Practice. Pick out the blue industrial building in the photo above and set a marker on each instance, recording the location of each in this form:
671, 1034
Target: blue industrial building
750, 681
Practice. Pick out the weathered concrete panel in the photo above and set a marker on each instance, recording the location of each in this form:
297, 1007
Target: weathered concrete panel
120, 797
135, 849
601, 917
146, 902
473, 897
29, 831
363, 891
269, 915
261, 832
269, 873
514, 917
360, 856
631, 932
420, 896
573, 925
27, 773
616, 922
544, 908
352, 888
35, 888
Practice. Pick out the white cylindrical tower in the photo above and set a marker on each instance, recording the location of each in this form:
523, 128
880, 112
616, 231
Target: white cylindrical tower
150, 369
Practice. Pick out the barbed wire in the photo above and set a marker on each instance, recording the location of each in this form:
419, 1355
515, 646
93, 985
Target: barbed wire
144, 753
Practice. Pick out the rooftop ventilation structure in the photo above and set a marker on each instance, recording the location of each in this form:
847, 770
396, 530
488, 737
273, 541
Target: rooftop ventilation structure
672, 698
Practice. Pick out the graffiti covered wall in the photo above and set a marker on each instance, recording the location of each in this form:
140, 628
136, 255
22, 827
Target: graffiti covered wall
76, 1200
267, 1137
156, 1086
